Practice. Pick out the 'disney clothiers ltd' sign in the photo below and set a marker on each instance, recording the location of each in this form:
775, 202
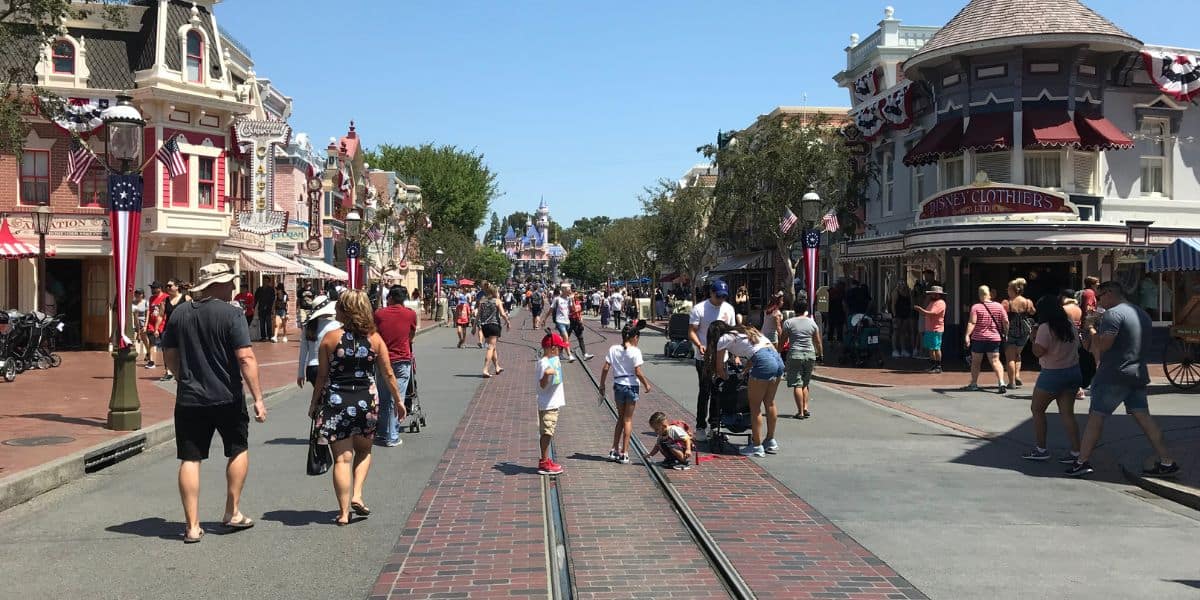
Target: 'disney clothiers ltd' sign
994, 199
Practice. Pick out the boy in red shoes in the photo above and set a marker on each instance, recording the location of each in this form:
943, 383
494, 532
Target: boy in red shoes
550, 398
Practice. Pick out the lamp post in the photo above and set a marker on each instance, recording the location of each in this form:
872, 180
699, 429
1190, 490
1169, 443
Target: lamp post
123, 125
810, 213
608, 273
41, 217
438, 257
354, 249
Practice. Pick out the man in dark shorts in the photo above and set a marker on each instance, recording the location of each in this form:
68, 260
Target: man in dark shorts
207, 345
397, 324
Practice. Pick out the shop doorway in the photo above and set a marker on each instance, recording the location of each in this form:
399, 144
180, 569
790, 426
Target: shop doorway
1043, 277
64, 296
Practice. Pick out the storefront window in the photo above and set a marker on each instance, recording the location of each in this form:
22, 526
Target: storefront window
1153, 149
206, 183
1152, 291
889, 187
93, 190
918, 186
35, 176
997, 165
195, 57
951, 170
1043, 169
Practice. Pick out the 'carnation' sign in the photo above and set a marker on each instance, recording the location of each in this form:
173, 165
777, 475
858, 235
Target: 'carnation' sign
994, 199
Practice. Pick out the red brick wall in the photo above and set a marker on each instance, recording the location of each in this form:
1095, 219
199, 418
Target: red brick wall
64, 196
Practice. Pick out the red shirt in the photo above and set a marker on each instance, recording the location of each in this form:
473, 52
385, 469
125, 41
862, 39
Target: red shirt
575, 310
247, 300
397, 324
1089, 300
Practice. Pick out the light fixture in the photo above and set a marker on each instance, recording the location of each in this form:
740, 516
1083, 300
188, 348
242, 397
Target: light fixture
123, 124
41, 219
353, 223
810, 206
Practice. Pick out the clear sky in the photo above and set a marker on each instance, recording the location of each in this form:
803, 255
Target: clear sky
584, 103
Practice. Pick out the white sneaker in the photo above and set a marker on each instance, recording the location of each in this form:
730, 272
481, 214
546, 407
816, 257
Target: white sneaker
284, 339
588, 356
701, 435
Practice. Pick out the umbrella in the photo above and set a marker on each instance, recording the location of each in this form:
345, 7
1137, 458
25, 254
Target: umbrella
465, 282
449, 281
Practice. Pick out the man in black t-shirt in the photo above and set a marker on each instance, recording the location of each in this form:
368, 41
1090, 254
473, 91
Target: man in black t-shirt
264, 299
207, 345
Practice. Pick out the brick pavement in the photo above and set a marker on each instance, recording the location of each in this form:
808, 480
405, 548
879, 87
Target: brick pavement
781, 545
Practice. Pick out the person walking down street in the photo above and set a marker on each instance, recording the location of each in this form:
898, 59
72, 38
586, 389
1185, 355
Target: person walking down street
837, 311
246, 300
397, 325
1087, 361
1020, 311
490, 312
934, 325
155, 323
920, 299
772, 317
576, 316
207, 345
902, 322
702, 316
279, 333
140, 309
1119, 341
803, 339
175, 297
765, 368
1056, 344
984, 335
264, 300
560, 316
625, 362
320, 322
535, 307
345, 400
1087, 296
616, 304
462, 316
551, 398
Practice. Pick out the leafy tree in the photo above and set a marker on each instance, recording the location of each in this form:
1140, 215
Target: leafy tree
494, 232
678, 222
625, 244
767, 168
458, 250
456, 185
517, 221
583, 229
585, 264
489, 264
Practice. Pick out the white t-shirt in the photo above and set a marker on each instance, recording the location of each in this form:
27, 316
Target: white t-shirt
597, 298
704, 314
623, 363
739, 345
561, 307
676, 433
552, 395
614, 302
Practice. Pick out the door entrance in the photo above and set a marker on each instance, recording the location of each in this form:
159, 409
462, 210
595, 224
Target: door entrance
64, 296
96, 300
1042, 278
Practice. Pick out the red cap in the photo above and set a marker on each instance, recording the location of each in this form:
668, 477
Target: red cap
553, 339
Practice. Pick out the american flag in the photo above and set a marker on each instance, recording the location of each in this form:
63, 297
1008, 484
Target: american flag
79, 160
829, 222
170, 156
789, 219
125, 218
353, 266
812, 245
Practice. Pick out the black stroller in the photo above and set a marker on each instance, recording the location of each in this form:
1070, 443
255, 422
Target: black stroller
678, 345
731, 407
31, 344
8, 365
412, 403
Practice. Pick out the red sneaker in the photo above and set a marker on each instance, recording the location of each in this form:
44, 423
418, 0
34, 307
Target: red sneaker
548, 467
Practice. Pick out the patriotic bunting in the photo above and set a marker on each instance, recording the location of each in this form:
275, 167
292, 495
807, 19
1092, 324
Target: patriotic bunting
125, 218
869, 122
80, 115
1177, 75
354, 264
866, 86
892, 110
896, 106
812, 245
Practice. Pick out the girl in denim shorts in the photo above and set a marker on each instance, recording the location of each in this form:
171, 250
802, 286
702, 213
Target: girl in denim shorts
766, 368
625, 361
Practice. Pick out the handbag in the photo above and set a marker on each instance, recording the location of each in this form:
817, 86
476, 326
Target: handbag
320, 458
1003, 332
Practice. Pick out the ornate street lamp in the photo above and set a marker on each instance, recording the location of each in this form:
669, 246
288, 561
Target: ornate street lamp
810, 213
354, 249
123, 125
41, 217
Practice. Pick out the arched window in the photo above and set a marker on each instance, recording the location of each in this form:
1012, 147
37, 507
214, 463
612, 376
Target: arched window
195, 57
62, 54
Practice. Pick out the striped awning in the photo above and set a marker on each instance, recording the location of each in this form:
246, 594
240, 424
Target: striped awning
744, 262
11, 248
1182, 255
269, 262
326, 270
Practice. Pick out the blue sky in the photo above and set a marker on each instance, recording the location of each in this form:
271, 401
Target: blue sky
584, 103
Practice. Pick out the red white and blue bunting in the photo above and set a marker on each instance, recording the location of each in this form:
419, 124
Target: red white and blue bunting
81, 115
866, 86
868, 121
1177, 75
896, 106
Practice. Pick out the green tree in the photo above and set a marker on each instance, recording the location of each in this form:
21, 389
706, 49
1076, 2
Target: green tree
766, 170
494, 231
625, 244
517, 221
456, 185
583, 229
678, 223
585, 264
458, 250
489, 264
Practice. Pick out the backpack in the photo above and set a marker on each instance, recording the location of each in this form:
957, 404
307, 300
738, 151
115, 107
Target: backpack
536, 301
1020, 327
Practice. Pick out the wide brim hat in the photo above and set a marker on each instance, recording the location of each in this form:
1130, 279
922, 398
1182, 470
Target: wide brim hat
213, 273
322, 306
937, 289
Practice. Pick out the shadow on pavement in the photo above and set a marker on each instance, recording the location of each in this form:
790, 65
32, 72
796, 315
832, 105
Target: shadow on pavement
158, 527
591, 457
88, 421
514, 469
1192, 583
288, 441
300, 518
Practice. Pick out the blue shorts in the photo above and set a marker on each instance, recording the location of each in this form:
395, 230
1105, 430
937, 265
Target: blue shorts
1106, 397
766, 364
984, 346
1057, 381
931, 340
623, 394
562, 328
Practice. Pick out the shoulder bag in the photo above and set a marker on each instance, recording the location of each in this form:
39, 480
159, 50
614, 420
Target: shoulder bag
1003, 332
320, 458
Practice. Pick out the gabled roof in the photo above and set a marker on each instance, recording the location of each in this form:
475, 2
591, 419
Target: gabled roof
532, 235
985, 20
350, 142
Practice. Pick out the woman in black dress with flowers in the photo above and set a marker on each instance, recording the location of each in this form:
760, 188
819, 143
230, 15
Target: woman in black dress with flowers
345, 399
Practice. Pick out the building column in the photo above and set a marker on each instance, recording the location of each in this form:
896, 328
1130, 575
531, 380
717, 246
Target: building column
957, 260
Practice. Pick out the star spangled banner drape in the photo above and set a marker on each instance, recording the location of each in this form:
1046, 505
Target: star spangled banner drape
125, 218
353, 258
812, 244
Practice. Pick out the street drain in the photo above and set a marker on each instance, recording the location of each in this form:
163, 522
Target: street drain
44, 440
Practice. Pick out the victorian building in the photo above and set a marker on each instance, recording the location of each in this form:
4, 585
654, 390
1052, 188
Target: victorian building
533, 255
1032, 139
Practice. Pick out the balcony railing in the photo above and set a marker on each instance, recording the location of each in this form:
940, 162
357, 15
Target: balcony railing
233, 41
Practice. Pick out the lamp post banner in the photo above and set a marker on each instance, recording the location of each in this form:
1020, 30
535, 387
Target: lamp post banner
353, 258
812, 245
125, 219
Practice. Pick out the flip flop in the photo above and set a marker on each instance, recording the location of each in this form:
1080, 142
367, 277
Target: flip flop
245, 523
360, 509
193, 540
499, 371
486, 376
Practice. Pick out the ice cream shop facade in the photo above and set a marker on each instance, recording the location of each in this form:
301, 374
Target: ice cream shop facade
1025, 138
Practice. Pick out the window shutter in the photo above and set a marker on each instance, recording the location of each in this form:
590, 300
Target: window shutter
1085, 172
997, 165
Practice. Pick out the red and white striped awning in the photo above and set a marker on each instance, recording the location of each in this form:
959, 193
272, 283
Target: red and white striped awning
11, 248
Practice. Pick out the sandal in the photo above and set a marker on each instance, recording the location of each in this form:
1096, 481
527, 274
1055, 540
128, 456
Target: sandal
192, 540
360, 509
499, 371
487, 376
243, 523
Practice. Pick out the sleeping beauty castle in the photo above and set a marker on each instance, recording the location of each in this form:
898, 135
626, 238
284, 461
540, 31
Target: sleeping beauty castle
533, 256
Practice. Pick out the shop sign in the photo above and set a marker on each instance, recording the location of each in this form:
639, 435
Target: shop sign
315, 196
259, 138
244, 239
79, 226
296, 232
994, 199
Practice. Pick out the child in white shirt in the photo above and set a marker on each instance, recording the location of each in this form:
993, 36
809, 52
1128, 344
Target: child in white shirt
674, 441
550, 398
625, 361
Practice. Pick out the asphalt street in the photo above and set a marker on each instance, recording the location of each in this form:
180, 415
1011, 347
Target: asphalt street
962, 517
117, 533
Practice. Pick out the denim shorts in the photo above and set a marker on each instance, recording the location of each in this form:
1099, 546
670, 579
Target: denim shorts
984, 346
766, 365
562, 328
1057, 381
625, 393
1106, 397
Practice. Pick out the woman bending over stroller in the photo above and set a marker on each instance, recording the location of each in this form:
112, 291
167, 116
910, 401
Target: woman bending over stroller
746, 343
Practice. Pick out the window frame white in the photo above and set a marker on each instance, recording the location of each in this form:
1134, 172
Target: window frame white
1043, 155
188, 56
942, 172
1163, 128
888, 206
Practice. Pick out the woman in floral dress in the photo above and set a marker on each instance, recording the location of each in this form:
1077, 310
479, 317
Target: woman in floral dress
345, 400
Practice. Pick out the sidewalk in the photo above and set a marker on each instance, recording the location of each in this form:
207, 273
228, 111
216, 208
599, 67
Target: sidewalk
60, 414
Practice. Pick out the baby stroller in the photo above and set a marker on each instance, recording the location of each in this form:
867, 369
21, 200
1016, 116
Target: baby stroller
678, 345
27, 346
862, 342
731, 404
8, 365
412, 403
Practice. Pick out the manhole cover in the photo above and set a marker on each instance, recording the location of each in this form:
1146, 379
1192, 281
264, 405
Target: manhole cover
45, 440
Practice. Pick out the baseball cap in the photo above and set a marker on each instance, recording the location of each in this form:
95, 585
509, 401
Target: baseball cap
214, 273
553, 340
720, 288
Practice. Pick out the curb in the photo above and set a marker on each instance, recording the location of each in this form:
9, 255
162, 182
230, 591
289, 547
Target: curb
1181, 494
30, 483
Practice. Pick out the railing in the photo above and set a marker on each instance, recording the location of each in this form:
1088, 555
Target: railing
233, 41
864, 47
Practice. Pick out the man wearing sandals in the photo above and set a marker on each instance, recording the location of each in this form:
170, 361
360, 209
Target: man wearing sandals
207, 345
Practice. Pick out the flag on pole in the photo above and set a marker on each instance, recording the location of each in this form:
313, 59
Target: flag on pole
171, 158
79, 160
829, 222
812, 245
789, 220
124, 224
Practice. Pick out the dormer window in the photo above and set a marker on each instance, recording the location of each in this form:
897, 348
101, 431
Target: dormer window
62, 55
195, 57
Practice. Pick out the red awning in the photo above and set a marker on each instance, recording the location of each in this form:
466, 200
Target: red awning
11, 248
1098, 133
987, 132
1049, 128
942, 140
